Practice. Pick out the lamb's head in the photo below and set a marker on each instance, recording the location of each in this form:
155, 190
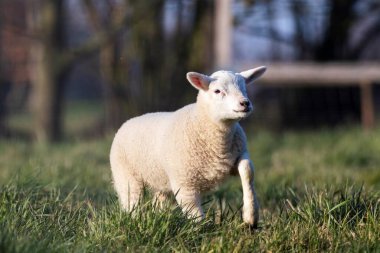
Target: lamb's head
224, 93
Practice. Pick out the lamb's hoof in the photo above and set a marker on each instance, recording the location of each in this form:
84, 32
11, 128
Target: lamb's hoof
253, 227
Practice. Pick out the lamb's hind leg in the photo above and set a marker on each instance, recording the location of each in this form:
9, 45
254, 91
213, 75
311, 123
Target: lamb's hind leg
190, 202
129, 191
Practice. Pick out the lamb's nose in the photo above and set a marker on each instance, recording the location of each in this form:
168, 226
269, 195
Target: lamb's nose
245, 103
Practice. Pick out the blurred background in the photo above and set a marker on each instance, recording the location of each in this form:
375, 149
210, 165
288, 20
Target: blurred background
79, 68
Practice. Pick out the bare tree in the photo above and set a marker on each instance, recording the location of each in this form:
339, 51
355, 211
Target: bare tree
142, 65
223, 27
2, 92
49, 70
141, 44
52, 61
112, 59
341, 18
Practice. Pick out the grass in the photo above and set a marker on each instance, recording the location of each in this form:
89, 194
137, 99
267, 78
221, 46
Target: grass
319, 192
79, 118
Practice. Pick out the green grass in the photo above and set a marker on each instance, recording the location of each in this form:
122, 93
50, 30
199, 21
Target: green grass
319, 191
81, 118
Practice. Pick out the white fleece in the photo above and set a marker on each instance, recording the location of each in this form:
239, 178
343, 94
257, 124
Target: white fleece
189, 151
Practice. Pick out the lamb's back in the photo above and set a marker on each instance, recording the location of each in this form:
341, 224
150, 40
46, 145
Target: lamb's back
147, 144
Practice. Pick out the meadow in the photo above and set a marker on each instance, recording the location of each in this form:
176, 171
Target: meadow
319, 192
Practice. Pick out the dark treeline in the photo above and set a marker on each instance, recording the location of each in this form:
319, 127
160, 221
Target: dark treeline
136, 61
142, 60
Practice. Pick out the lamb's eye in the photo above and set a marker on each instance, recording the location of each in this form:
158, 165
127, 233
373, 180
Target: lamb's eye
216, 91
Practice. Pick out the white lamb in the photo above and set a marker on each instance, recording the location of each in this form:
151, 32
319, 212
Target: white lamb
191, 150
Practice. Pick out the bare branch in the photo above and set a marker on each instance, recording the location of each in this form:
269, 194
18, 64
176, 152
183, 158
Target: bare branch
268, 33
368, 37
104, 33
93, 15
100, 38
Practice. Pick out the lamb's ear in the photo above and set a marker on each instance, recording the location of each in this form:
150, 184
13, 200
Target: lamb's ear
253, 74
199, 81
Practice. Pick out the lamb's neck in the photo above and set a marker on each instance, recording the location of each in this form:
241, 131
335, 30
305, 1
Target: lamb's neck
216, 135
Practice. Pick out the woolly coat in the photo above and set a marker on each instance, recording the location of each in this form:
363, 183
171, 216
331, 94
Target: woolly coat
173, 150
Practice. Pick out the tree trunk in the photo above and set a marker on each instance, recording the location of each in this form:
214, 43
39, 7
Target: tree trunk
4, 90
223, 30
146, 48
48, 72
47, 95
334, 45
2, 79
201, 51
113, 70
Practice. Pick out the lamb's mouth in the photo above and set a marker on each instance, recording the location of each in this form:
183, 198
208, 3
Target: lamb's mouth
243, 111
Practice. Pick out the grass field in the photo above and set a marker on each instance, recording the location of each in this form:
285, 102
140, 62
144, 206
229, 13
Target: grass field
319, 191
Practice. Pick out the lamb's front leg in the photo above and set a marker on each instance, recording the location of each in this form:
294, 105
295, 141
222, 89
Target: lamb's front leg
190, 202
251, 204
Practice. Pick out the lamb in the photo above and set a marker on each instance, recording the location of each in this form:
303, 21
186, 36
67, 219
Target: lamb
191, 150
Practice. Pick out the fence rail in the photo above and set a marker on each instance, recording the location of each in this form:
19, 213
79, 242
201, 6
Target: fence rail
364, 75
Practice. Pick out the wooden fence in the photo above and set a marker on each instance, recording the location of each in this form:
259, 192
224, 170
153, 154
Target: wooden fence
364, 75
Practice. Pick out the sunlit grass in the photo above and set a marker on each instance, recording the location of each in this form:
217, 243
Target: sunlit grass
319, 191
79, 118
